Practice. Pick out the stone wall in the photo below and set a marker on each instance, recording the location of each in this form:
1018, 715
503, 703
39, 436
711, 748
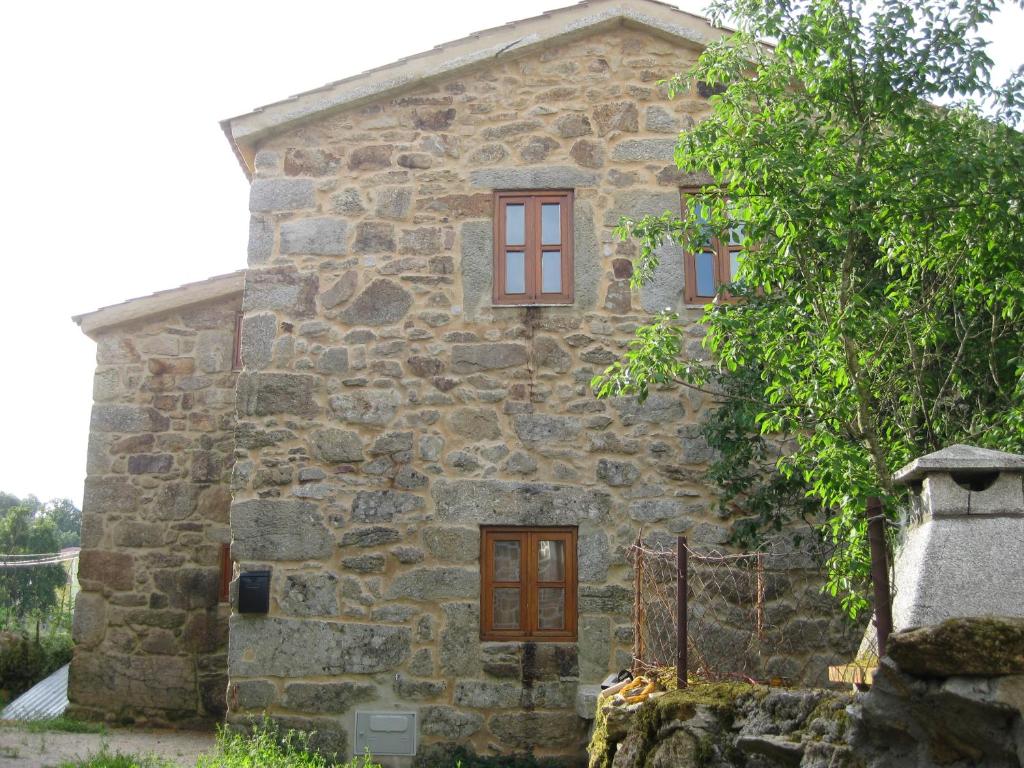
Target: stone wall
387, 410
150, 636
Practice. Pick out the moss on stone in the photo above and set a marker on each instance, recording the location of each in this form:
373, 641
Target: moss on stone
601, 749
984, 646
721, 698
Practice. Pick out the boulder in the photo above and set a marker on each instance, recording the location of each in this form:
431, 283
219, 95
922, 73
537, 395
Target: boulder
984, 646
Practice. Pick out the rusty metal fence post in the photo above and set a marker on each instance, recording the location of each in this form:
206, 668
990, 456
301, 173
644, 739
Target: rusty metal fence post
879, 572
682, 571
638, 604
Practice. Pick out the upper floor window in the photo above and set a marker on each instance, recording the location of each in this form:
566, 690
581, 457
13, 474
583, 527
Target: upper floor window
533, 260
713, 265
528, 589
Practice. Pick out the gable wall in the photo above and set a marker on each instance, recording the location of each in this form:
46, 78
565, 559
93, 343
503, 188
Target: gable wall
150, 636
387, 410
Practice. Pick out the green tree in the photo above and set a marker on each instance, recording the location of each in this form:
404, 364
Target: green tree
28, 590
877, 175
68, 520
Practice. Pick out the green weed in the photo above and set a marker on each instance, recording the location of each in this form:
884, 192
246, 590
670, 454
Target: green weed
104, 759
265, 746
63, 725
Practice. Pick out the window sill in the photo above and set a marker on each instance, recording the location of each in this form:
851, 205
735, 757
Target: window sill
545, 304
492, 638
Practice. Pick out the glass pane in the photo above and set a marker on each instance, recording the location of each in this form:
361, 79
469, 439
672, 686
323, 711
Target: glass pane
551, 272
515, 272
551, 561
734, 265
551, 611
705, 268
506, 561
736, 233
515, 224
551, 223
506, 608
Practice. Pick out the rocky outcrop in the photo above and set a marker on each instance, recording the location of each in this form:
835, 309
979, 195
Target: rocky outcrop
714, 725
985, 646
959, 701
950, 694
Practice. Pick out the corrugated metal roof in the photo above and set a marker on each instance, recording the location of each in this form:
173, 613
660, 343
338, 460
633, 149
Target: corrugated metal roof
47, 698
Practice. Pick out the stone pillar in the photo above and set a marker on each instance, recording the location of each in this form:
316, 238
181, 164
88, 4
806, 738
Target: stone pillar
963, 544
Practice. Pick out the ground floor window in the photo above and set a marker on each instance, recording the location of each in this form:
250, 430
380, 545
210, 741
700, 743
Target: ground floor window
528, 589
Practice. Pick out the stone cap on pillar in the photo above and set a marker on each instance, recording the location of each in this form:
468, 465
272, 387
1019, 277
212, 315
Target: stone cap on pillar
960, 458
965, 480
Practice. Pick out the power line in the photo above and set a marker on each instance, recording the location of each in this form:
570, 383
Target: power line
31, 561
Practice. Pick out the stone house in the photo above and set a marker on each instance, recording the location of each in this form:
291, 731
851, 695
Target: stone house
406, 439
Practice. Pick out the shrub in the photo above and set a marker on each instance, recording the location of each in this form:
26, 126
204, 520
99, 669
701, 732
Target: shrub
25, 661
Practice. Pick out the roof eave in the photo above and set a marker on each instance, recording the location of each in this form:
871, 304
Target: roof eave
190, 294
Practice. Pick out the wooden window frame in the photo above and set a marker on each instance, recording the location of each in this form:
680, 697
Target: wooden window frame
236, 349
529, 586
721, 266
227, 568
532, 248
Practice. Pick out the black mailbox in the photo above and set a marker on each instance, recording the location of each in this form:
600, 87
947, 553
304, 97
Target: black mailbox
254, 592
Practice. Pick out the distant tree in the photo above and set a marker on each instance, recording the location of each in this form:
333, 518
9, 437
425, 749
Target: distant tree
881, 276
28, 590
68, 519
9, 500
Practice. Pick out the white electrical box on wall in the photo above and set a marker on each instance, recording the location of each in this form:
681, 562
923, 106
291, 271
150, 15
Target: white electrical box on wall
385, 733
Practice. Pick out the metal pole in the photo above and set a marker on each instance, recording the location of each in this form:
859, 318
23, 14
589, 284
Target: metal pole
879, 572
638, 609
682, 569
760, 597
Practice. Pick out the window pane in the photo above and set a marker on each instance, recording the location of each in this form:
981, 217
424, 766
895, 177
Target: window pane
705, 268
736, 233
551, 272
515, 224
551, 561
506, 561
734, 265
551, 223
551, 609
506, 608
515, 272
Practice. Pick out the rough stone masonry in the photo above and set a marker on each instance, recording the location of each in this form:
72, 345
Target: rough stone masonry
150, 633
386, 410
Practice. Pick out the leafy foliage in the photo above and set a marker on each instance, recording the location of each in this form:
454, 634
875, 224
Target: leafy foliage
880, 310
24, 661
64, 514
25, 590
266, 746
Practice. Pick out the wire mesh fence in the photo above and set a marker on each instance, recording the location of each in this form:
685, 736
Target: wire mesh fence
751, 615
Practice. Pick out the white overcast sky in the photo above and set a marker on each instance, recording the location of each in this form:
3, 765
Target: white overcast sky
118, 182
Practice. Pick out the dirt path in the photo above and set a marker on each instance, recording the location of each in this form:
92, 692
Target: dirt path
20, 749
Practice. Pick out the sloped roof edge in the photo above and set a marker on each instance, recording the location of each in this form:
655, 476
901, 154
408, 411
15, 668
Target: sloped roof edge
447, 59
157, 303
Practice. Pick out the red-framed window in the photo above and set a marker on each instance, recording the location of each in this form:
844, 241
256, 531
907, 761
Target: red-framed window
528, 584
533, 255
